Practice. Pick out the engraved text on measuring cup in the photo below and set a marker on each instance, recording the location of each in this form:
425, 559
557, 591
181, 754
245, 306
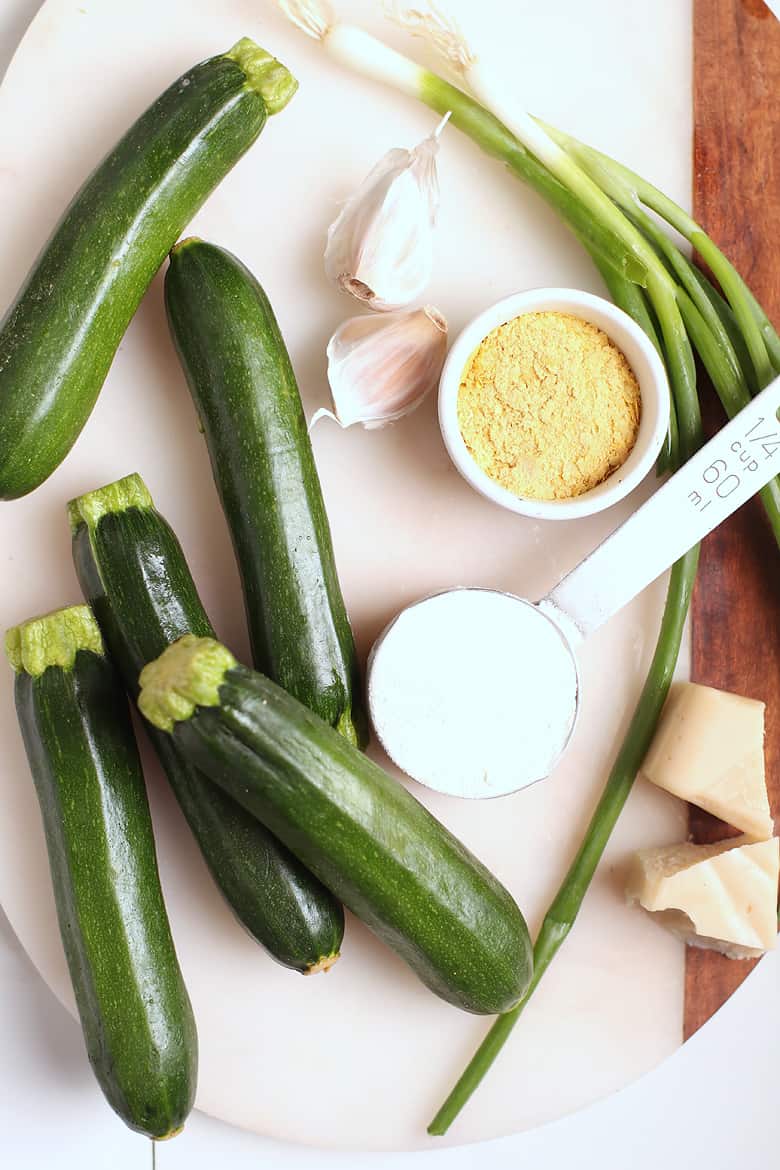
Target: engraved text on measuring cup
724, 475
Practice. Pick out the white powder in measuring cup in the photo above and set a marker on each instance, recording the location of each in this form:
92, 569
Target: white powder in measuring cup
473, 692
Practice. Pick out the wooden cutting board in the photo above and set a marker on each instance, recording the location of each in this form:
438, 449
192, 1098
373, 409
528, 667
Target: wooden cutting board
736, 198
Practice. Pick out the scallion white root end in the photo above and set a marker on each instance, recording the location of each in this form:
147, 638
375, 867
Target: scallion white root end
352, 47
438, 29
313, 17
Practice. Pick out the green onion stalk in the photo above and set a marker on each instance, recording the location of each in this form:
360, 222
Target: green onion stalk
647, 276
630, 190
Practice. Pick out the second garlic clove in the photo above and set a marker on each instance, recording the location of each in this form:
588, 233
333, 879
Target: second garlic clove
381, 367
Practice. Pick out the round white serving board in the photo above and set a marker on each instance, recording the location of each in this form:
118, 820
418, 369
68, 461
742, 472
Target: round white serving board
359, 1058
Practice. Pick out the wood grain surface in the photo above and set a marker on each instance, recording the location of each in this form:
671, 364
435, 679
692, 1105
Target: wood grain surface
736, 198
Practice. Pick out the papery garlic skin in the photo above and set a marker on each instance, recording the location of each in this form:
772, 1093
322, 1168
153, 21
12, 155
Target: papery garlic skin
380, 368
380, 248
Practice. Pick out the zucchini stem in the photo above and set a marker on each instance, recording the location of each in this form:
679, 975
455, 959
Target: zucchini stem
264, 74
324, 964
187, 675
130, 492
53, 640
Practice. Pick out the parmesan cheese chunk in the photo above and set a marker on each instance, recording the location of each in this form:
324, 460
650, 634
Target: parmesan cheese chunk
721, 897
709, 750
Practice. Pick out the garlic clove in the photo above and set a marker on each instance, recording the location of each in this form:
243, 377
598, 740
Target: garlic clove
380, 248
381, 367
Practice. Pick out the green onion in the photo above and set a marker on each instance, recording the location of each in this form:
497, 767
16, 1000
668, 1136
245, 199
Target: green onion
732, 285
733, 396
711, 327
680, 364
714, 333
495, 140
630, 298
731, 390
723, 309
446, 39
683, 273
768, 331
626, 188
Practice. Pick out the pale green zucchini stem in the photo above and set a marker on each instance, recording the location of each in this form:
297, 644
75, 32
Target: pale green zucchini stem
53, 640
89, 509
264, 74
187, 675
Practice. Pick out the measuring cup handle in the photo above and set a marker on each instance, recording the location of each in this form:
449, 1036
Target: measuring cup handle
723, 475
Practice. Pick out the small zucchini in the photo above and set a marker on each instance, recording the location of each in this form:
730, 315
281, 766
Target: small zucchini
364, 835
59, 338
133, 573
134, 1009
244, 389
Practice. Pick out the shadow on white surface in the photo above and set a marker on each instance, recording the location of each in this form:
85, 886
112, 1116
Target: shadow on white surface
692, 1107
50, 1105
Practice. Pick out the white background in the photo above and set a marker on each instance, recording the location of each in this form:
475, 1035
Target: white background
715, 1100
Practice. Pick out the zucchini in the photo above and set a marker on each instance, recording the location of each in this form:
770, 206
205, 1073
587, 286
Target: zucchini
133, 573
244, 388
134, 1009
364, 835
59, 338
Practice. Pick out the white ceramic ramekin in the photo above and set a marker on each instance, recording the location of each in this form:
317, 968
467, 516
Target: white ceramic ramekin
641, 356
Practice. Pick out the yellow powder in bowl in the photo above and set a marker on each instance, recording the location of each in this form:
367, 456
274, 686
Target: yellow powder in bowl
548, 406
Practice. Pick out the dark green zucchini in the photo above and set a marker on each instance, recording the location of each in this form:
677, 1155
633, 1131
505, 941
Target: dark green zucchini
134, 1009
245, 392
364, 835
59, 338
133, 573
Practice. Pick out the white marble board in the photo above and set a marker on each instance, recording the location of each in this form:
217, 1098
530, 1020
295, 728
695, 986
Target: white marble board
358, 1059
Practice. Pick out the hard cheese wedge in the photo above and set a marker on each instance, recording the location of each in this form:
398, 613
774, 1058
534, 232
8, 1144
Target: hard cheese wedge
722, 897
709, 749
